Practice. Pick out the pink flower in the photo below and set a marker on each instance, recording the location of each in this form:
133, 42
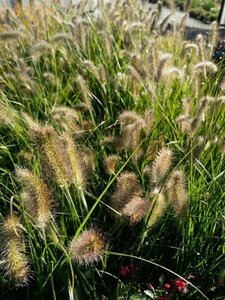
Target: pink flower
124, 271
167, 286
181, 285
127, 270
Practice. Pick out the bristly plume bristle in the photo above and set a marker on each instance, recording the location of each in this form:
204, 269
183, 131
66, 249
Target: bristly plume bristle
89, 161
178, 193
91, 68
75, 159
110, 163
135, 209
36, 196
161, 64
162, 165
187, 106
128, 117
205, 65
82, 86
158, 205
132, 125
200, 114
14, 261
8, 115
10, 36
149, 120
126, 188
69, 119
87, 248
55, 162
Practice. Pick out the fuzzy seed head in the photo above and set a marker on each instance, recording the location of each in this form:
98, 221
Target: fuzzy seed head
205, 65
82, 86
161, 64
126, 188
36, 196
14, 260
129, 117
158, 205
10, 36
162, 165
75, 159
56, 163
110, 163
135, 209
149, 119
7, 115
87, 248
178, 193
187, 106
62, 37
91, 68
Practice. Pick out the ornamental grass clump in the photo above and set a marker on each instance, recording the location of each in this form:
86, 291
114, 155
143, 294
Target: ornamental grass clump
103, 141
13, 254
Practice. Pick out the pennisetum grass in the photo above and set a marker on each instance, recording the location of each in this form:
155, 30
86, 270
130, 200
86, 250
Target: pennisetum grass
123, 127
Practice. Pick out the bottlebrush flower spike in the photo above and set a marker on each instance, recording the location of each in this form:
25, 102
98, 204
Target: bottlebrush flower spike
110, 163
178, 193
126, 188
162, 165
36, 196
14, 260
55, 161
135, 209
75, 159
87, 248
158, 205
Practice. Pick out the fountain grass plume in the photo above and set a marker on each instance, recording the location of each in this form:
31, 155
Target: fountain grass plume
162, 165
87, 248
8, 116
36, 196
135, 210
90, 66
178, 193
161, 64
149, 120
55, 162
83, 89
75, 160
10, 36
13, 256
127, 187
158, 205
110, 163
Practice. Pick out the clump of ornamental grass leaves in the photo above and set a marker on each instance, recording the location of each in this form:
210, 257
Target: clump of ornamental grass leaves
111, 151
